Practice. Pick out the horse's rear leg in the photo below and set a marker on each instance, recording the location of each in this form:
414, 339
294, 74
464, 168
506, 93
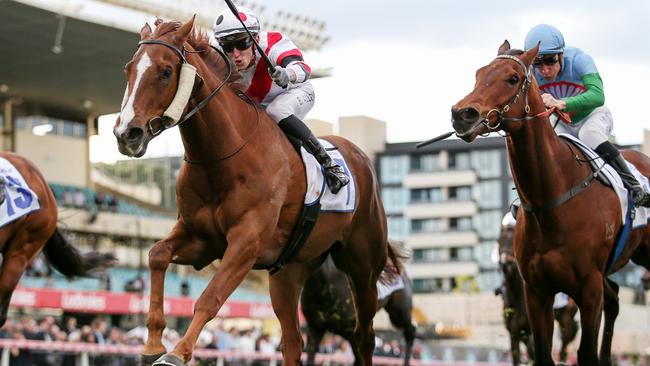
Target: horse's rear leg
285, 287
314, 337
14, 263
611, 308
363, 273
399, 310
540, 315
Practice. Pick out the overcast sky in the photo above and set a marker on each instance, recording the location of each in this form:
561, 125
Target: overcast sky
406, 62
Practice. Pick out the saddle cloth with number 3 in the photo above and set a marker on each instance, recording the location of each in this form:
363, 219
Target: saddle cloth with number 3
19, 200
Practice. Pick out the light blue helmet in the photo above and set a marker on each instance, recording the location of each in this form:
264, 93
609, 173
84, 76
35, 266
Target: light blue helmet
550, 38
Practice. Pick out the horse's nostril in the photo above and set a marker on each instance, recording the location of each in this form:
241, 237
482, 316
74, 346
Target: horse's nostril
469, 114
133, 134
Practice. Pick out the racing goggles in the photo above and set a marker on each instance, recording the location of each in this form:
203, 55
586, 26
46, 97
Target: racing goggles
240, 44
548, 60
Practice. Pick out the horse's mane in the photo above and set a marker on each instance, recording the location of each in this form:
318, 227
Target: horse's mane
200, 42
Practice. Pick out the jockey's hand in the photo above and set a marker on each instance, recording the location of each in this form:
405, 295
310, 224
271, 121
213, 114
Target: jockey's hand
281, 76
551, 102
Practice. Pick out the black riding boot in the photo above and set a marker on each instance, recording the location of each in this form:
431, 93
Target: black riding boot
334, 174
613, 157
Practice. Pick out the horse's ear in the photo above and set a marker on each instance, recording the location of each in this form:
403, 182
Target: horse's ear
530, 55
505, 47
184, 31
145, 32
158, 21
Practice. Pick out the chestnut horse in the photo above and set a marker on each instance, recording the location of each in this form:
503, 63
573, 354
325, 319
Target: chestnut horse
563, 239
22, 239
515, 316
239, 193
328, 305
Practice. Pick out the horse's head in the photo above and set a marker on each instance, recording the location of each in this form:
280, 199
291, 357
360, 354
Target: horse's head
159, 83
500, 95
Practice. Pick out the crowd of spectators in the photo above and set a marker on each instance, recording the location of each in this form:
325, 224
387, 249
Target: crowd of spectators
98, 331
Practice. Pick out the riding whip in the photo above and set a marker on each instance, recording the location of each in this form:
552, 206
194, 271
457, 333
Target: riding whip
266, 59
435, 139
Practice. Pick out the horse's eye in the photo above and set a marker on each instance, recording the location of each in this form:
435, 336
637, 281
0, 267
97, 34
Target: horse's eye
514, 79
167, 72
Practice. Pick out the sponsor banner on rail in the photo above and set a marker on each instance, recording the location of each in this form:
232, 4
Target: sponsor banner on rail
102, 302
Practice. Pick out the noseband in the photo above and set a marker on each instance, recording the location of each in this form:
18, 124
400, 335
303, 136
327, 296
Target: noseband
184, 66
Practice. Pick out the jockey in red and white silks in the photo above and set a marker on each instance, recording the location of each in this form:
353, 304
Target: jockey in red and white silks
285, 93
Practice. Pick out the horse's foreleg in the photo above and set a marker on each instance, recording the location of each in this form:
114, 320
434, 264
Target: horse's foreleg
590, 303
540, 316
611, 308
160, 255
239, 258
285, 287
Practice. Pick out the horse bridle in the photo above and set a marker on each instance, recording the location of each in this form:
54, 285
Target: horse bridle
200, 105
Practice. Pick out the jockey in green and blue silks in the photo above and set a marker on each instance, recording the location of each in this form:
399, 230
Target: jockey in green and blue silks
569, 81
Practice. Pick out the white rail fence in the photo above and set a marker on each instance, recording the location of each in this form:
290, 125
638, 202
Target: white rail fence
84, 350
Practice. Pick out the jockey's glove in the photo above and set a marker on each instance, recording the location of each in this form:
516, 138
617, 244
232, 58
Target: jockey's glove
281, 76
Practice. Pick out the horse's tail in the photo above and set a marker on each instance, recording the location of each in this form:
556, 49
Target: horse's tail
70, 262
397, 255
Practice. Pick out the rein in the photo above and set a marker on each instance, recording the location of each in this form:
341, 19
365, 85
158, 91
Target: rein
181, 53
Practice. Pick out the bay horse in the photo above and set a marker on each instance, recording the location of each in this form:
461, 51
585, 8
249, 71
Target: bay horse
240, 192
515, 316
22, 239
328, 306
563, 239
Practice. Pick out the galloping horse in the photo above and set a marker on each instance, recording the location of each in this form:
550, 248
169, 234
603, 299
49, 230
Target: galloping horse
515, 316
563, 239
327, 304
23, 237
240, 192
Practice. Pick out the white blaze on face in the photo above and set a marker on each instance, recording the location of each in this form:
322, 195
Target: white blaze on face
127, 113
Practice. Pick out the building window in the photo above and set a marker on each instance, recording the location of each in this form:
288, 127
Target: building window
462, 254
431, 255
427, 226
394, 168
460, 223
426, 195
398, 227
395, 199
429, 285
463, 193
487, 193
486, 163
425, 163
488, 224
459, 161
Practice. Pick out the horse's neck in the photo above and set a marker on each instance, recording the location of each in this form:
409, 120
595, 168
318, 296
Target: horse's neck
538, 158
222, 126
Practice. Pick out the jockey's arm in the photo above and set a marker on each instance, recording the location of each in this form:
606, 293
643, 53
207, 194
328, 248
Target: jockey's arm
592, 98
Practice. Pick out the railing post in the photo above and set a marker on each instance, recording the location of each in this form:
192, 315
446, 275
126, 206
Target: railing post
273, 361
84, 359
220, 361
5, 356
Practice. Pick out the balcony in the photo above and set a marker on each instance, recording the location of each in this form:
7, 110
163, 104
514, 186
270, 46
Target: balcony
441, 209
443, 178
442, 269
442, 239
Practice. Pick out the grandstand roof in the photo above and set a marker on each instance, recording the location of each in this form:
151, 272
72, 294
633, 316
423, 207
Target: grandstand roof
85, 78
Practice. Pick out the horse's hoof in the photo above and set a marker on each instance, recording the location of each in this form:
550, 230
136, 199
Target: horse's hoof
169, 360
148, 360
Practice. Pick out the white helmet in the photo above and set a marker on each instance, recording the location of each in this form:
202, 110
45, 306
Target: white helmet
508, 221
227, 27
